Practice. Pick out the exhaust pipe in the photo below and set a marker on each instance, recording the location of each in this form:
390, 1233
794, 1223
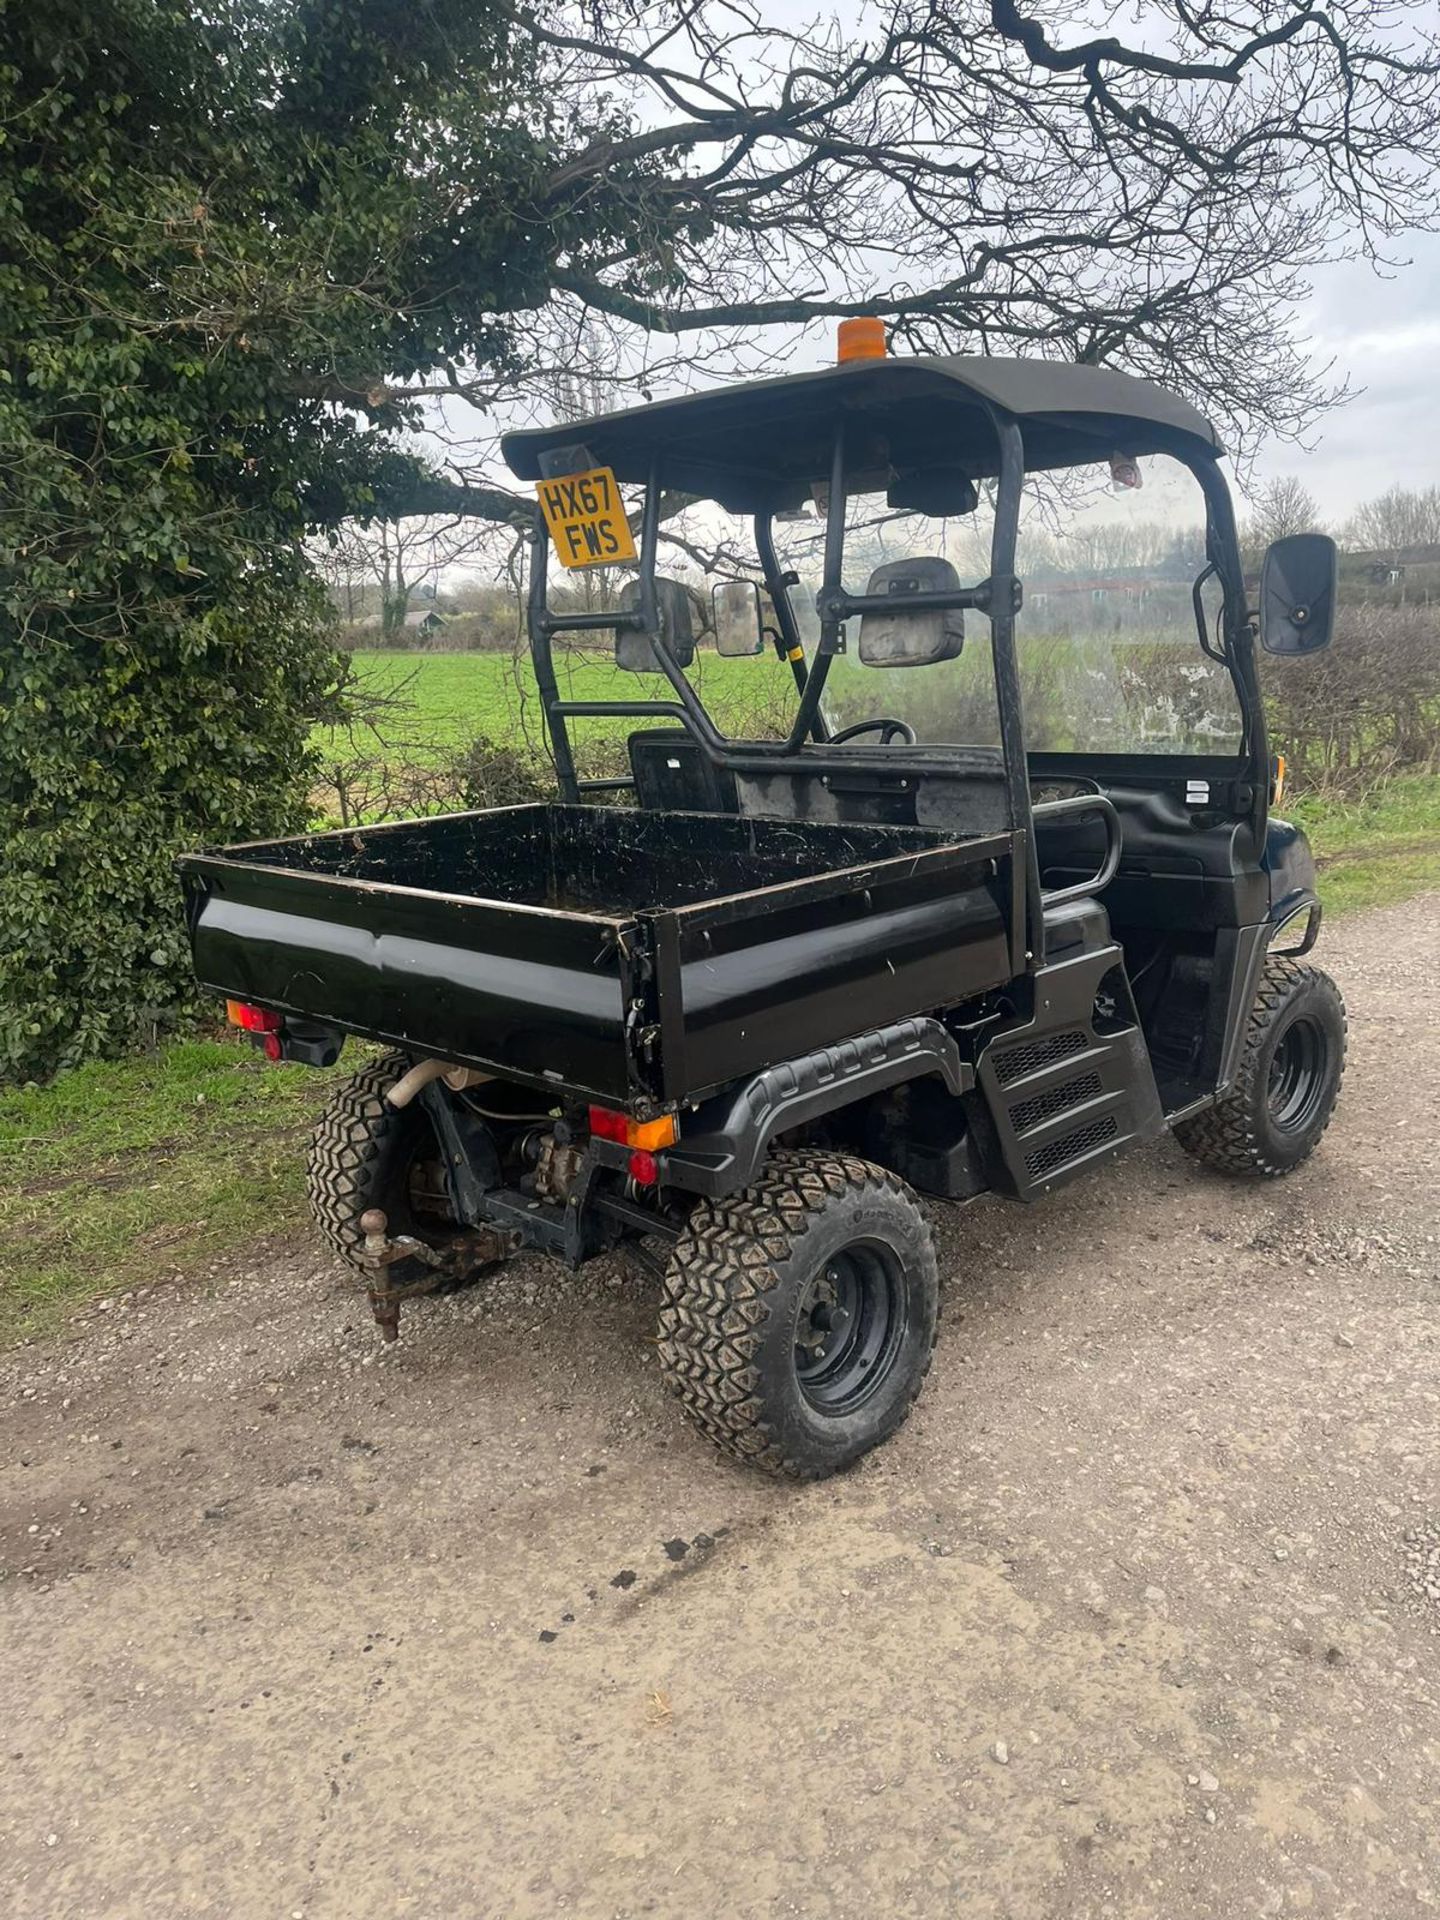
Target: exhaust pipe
456, 1078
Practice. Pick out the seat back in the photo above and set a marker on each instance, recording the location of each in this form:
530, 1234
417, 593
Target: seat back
673, 774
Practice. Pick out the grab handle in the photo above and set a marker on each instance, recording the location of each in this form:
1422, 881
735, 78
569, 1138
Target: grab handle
1084, 803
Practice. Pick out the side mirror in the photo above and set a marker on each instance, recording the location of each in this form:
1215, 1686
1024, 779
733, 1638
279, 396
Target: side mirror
739, 623
634, 651
911, 636
1297, 593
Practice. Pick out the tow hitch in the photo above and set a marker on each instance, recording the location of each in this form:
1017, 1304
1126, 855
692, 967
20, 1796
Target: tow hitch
457, 1260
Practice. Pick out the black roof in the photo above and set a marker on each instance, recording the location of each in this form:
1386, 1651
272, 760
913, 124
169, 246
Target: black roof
760, 443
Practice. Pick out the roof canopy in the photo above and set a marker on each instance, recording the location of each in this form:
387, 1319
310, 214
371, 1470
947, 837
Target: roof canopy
759, 444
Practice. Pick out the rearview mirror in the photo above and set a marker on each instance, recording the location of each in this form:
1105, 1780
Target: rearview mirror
1297, 593
635, 651
912, 636
937, 492
739, 624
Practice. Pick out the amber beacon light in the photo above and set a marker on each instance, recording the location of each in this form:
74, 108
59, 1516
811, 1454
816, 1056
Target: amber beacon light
860, 339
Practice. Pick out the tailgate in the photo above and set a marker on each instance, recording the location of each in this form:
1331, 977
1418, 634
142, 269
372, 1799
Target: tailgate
533, 993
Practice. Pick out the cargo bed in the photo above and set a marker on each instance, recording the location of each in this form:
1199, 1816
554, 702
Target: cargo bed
636, 957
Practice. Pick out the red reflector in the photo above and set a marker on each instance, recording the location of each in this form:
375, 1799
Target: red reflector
272, 1047
644, 1168
253, 1019
609, 1125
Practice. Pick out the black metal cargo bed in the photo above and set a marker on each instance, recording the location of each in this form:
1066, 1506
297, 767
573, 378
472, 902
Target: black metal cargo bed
632, 956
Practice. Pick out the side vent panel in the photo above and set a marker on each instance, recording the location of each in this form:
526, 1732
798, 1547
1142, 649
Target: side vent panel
1014, 1063
1070, 1146
1026, 1114
1059, 1099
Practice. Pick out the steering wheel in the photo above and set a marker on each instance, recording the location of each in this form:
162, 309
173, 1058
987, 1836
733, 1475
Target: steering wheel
889, 729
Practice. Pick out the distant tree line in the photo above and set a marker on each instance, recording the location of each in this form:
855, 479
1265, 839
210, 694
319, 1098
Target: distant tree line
1400, 519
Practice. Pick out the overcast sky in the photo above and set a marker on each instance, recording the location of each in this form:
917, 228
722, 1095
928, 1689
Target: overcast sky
1383, 335
1379, 332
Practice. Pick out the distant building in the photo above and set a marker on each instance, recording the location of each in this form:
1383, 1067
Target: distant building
426, 621
1140, 601
1394, 576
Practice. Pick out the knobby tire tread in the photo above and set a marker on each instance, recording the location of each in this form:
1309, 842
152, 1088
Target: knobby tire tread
716, 1294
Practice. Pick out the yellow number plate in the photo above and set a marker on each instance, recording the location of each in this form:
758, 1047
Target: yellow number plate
586, 518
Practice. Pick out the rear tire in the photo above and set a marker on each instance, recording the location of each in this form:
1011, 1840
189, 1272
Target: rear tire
366, 1153
1288, 1080
799, 1315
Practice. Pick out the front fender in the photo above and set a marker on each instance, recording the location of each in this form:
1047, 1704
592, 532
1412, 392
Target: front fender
1289, 868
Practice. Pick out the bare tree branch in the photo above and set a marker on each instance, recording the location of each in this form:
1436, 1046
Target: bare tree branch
972, 173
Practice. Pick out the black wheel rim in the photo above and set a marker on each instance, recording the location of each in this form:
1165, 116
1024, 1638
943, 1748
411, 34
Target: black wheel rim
850, 1327
1299, 1073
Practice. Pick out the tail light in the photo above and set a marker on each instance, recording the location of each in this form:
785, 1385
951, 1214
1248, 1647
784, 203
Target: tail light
646, 1136
252, 1019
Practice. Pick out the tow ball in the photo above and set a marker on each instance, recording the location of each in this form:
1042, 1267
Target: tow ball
457, 1260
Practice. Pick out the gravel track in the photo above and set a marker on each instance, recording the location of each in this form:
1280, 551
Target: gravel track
1139, 1616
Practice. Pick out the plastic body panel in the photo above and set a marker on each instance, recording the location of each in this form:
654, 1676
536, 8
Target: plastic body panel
1072, 1087
1192, 874
1179, 866
1289, 866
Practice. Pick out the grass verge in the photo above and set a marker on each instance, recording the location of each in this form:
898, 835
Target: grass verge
122, 1173
1376, 850
1378, 880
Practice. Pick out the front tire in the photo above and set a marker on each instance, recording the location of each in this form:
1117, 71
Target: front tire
799, 1315
1288, 1080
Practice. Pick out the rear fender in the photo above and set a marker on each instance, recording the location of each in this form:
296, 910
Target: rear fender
723, 1148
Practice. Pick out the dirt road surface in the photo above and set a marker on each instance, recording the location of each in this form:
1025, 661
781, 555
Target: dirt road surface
1139, 1616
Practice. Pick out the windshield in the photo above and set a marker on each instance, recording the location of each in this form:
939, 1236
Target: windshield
1108, 643
952, 702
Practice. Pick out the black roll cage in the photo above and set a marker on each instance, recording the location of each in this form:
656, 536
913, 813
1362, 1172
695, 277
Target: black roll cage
999, 597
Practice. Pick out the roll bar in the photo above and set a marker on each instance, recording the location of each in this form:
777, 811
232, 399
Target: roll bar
998, 597
836, 607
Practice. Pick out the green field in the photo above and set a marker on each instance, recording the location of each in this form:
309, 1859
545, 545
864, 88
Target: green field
432, 706
438, 703
1374, 849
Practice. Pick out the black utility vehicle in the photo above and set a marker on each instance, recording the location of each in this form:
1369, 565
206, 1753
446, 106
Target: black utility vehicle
1005, 899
